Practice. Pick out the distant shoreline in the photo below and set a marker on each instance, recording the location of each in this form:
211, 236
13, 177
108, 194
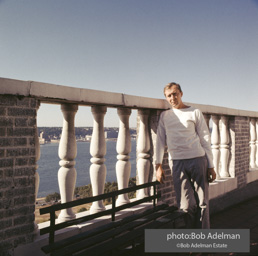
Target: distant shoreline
49, 165
79, 140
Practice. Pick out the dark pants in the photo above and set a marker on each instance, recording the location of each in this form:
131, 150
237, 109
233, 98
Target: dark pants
192, 190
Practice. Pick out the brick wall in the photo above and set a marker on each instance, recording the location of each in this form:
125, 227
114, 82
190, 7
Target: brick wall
240, 130
17, 171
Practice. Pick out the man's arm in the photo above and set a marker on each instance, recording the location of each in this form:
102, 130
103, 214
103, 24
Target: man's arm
160, 175
204, 135
160, 149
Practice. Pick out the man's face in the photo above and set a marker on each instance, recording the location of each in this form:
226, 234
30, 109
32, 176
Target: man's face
173, 96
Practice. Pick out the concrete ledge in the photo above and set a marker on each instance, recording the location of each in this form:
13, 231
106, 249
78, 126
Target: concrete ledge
14, 87
222, 186
252, 175
234, 197
223, 111
57, 94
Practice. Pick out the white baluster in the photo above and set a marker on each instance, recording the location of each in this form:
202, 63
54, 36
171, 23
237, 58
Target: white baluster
252, 142
224, 147
256, 143
215, 140
143, 152
98, 152
123, 148
37, 179
67, 152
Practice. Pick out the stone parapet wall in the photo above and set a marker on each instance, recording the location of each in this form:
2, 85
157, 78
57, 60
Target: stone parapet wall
17, 171
19, 149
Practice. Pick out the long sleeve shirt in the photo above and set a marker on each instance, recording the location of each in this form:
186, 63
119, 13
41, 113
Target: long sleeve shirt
185, 133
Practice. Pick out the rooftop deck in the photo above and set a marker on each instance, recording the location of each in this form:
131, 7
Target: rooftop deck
240, 216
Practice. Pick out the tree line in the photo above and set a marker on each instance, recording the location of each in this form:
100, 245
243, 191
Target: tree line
86, 191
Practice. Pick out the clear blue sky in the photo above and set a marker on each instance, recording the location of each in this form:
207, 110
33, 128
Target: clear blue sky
134, 47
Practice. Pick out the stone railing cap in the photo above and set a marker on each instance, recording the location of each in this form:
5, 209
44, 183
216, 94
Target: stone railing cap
56, 94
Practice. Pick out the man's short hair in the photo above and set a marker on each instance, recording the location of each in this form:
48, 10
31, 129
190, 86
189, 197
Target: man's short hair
168, 86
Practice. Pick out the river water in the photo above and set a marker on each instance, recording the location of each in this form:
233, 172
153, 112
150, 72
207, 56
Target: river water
49, 165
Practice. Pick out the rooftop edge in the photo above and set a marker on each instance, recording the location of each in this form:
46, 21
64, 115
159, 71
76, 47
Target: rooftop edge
56, 94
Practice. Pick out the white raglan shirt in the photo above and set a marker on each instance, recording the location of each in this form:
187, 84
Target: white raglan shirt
186, 134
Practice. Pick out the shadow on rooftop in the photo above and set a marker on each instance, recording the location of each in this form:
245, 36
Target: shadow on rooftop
240, 216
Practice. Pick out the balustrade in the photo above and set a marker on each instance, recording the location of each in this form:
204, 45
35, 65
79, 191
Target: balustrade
143, 151
252, 143
220, 141
67, 152
98, 151
123, 148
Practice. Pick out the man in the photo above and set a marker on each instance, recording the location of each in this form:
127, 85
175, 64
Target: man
183, 129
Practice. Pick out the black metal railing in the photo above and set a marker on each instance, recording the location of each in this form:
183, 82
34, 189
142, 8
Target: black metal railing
52, 209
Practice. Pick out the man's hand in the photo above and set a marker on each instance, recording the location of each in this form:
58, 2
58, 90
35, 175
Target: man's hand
211, 174
160, 175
